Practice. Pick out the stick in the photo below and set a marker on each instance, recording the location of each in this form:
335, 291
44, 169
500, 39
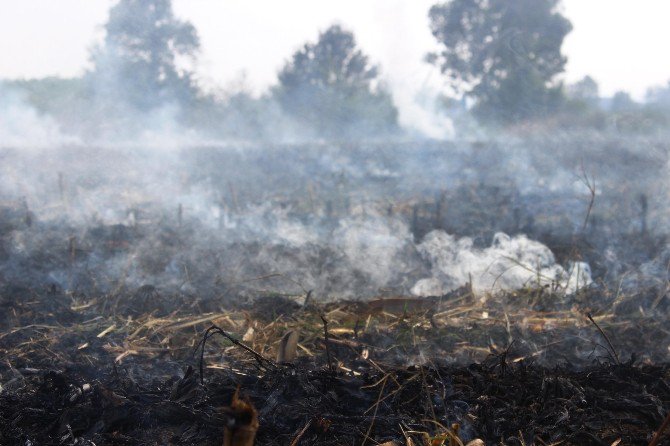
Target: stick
644, 208
657, 438
374, 415
72, 251
307, 299
211, 331
297, 438
591, 186
616, 356
415, 221
325, 334
233, 196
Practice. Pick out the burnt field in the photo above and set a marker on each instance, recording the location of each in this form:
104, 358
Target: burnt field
407, 293
83, 372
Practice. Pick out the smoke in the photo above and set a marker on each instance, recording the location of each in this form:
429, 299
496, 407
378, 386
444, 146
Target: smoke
347, 220
22, 126
207, 200
510, 263
422, 113
368, 207
266, 249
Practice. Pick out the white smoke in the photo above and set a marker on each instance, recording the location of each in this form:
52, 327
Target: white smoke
509, 263
376, 247
23, 126
246, 218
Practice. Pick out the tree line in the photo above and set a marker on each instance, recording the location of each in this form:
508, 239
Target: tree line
501, 59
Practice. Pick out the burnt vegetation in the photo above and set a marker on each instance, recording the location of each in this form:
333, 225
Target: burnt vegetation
141, 380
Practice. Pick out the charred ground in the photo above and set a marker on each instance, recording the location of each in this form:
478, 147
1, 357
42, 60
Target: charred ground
80, 371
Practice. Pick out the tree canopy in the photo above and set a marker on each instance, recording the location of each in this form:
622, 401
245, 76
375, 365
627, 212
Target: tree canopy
504, 54
659, 96
332, 87
145, 56
586, 90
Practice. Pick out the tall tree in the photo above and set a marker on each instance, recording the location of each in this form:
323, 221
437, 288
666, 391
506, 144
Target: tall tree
332, 87
505, 54
145, 54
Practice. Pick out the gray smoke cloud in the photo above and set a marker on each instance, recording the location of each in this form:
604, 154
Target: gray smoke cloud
312, 216
161, 203
23, 126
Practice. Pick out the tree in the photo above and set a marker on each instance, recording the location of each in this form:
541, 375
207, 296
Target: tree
331, 87
585, 90
622, 102
141, 60
582, 107
504, 54
659, 96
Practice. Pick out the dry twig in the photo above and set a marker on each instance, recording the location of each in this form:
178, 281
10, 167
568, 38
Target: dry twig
325, 335
211, 331
607, 339
659, 433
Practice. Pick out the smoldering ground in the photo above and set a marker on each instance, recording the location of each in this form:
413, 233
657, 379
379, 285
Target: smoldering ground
345, 219
169, 207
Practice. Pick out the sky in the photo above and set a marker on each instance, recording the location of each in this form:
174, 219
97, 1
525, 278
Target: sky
620, 43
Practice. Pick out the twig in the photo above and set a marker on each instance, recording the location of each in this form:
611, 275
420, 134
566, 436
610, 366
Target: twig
591, 186
211, 331
325, 335
233, 195
425, 387
657, 438
616, 356
517, 263
308, 298
267, 276
297, 438
374, 415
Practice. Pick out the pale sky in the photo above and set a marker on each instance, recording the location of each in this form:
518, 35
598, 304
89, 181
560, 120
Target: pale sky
621, 43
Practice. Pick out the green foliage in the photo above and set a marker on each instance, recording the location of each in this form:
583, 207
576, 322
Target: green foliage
331, 87
504, 54
144, 56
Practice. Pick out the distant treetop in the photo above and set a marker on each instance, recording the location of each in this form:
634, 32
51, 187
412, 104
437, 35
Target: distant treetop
331, 87
144, 58
505, 54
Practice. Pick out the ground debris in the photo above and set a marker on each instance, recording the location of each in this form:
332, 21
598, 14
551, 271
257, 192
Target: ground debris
597, 405
505, 371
